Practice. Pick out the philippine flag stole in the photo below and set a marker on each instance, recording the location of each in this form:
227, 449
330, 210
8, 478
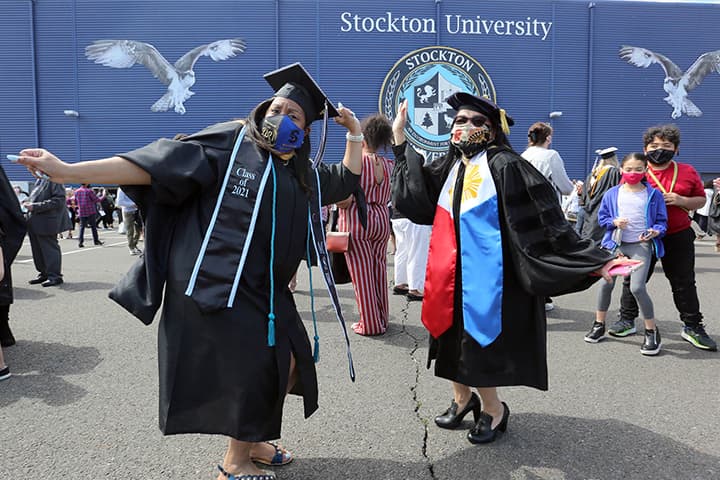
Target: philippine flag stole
481, 260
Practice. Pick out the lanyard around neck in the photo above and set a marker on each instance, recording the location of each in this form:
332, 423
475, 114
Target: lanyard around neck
672, 183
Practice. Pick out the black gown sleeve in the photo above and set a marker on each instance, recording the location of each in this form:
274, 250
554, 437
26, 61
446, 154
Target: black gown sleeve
181, 168
415, 187
548, 256
609, 180
337, 182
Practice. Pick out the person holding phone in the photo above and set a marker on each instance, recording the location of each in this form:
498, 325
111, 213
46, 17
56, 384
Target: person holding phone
682, 190
634, 217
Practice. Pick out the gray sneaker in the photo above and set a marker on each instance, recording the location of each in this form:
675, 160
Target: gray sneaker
696, 335
622, 328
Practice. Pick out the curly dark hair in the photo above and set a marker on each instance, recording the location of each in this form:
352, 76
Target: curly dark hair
377, 131
668, 132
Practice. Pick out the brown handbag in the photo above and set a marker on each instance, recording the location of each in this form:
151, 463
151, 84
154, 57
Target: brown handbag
337, 242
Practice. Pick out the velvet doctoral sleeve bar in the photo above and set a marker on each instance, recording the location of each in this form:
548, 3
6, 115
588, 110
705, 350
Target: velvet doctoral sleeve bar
549, 257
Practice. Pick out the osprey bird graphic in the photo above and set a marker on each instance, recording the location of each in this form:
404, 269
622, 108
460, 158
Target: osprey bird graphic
677, 84
178, 77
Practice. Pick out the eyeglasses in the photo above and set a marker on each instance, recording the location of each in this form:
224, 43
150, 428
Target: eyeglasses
477, 120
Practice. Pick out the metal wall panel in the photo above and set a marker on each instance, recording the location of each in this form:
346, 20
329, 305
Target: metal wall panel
18, 127
627, 99
57, 81
349, 47
115, 103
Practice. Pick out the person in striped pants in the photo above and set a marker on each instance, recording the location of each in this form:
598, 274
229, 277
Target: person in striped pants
367, 254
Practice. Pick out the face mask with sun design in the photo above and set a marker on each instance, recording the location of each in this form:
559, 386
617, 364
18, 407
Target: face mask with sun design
470, 139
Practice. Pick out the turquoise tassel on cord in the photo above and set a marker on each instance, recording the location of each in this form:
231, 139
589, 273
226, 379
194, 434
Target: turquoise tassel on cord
271, 330
271, 315
316, 348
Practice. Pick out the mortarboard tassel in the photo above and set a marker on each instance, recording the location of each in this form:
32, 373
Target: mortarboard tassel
316, 347
271, 330
271, 315
503, 122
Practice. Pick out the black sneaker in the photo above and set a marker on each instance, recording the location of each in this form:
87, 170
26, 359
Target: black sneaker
5, 374
696, 335
652, 343
622, 328
596, 333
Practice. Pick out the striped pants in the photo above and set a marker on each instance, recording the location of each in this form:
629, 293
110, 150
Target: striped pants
367, 263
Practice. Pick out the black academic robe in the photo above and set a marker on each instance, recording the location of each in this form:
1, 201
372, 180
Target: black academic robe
12, 233
542, 255
217, 373
591, 200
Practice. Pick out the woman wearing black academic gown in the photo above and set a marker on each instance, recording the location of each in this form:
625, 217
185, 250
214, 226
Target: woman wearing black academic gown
12, 233
231, 342
526, 251
601, 179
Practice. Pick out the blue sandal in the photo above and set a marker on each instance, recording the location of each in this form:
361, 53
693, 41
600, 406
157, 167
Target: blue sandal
264, 476
281, 457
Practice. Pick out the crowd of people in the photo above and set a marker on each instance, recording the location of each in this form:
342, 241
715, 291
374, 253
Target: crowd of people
249, 198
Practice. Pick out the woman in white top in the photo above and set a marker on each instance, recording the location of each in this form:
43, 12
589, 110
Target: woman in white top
546, 160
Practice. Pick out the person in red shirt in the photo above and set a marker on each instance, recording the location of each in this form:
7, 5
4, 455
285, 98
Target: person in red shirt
683, 191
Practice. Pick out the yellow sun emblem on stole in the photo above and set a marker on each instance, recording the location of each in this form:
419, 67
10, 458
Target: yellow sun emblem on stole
471, 183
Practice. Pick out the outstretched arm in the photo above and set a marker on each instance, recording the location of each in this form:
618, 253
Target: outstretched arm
113, 170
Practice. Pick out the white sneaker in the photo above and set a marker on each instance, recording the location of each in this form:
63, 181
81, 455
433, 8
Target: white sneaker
549, 307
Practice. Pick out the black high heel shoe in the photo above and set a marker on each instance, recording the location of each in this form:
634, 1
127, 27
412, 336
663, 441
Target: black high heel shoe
482, 433
452, 418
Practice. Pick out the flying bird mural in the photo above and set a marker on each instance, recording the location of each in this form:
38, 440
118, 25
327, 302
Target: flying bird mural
179, 77
677, 83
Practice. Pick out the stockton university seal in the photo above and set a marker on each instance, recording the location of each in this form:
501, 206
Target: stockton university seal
426, 78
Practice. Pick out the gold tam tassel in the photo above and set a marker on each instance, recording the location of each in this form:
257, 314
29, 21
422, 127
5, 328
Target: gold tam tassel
503, 122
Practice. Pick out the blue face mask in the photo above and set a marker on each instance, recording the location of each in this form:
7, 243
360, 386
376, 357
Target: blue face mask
282, 133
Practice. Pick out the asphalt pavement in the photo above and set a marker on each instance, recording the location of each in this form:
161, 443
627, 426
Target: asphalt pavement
82, 402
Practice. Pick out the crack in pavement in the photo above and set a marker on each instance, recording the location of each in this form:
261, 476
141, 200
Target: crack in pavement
414, 388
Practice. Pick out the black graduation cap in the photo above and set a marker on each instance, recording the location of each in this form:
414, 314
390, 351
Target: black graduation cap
461, 100
295, 83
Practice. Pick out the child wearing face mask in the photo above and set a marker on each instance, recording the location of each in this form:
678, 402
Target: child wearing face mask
635, 217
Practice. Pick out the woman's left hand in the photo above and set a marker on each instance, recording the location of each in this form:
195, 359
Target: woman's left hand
603, 272
348, 120
649, 234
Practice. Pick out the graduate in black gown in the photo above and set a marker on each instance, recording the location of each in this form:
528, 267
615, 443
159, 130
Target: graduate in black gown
227, 214
602, 178
12, 233
497, 249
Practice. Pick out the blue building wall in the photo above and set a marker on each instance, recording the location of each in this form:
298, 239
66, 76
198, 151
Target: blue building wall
572, 67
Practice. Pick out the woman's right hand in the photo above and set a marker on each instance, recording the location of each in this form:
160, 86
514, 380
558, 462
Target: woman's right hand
399, 123
39, 160
621, 223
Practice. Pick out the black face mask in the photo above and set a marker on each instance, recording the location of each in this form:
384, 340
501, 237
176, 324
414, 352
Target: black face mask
660, 156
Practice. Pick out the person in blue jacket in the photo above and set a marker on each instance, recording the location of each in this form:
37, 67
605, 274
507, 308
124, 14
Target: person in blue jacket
634, 217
